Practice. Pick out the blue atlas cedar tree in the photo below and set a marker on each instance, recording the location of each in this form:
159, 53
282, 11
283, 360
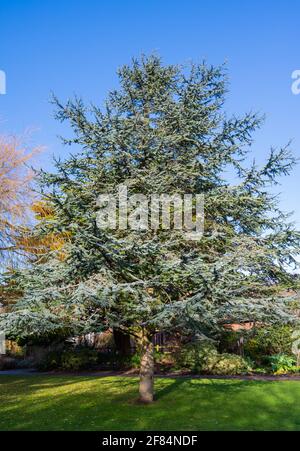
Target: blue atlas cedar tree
163, 131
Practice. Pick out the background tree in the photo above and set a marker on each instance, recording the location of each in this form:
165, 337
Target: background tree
163, 131
16, 195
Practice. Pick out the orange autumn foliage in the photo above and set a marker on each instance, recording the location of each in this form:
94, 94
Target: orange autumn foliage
16, 193
37, 246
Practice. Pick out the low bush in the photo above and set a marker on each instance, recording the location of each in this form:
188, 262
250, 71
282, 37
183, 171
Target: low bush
83, 358
226, 364
79, 359
112, 361
50, 361
203, 358
282, 364
266, 341
69, 360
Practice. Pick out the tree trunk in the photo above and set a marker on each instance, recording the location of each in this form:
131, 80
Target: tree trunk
147, 369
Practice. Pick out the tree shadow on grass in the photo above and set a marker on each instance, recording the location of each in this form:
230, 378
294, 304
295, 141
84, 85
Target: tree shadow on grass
169, 388
196, 384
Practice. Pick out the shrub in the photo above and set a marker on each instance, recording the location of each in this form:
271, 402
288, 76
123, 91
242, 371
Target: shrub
112, 361
76, 359
203, 358
192, 355
50, 361
79, 359
69, 360
269, 341
226, 364
282, 364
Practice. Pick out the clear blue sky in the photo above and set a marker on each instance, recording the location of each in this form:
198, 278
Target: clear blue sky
75, 47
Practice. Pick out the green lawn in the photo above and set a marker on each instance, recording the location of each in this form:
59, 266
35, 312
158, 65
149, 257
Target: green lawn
90, 403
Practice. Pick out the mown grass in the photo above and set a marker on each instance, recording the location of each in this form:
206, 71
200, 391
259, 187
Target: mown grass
90, 403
